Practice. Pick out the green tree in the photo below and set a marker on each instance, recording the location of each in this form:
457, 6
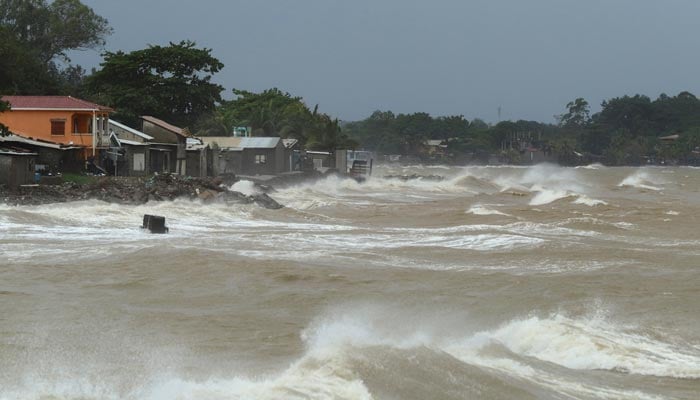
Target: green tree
414, 129
578, 114
267, 113
377, 132
4, 106
34, 35
169, 82
633, 114
52, 29
21, 71
277, 113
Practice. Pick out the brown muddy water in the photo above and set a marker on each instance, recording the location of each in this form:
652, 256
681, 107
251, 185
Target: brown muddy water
495, 283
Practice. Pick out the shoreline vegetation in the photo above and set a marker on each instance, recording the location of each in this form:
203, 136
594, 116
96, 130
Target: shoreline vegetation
174, 83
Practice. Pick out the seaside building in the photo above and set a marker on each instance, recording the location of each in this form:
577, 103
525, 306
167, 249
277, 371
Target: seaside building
130, 149
168, 148
59, 120
253, 155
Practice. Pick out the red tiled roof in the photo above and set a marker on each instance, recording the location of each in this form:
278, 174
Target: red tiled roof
165, 125
52, 102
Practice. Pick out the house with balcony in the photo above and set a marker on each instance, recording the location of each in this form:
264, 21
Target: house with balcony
59, 120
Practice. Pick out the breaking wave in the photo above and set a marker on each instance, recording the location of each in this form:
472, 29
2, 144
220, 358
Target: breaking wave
590, 344
544, 184
338, 344
248, 188
479, 209
641, 179
592, 166
545, 196
585, 200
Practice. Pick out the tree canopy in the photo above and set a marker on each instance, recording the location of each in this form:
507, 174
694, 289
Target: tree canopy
578, 114
34, 35
4, 106
52, 29
627, 130
169, 82
276, 113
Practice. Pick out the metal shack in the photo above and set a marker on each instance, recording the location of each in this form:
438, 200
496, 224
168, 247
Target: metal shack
16, 167
250, 155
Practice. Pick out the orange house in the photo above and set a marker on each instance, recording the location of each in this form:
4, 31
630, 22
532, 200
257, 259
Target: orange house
59, 119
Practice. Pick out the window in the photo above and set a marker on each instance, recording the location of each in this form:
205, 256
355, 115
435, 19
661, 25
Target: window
260, 158
58, 127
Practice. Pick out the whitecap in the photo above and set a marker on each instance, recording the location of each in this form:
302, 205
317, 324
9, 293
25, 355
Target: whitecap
585, 200
246, 187
545, 196
590, 344
641, 180
479, 209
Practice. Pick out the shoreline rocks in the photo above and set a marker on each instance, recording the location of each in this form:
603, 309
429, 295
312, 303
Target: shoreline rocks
134, 191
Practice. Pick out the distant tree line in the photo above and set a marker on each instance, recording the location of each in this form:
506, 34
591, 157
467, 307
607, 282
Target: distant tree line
174, 83
627, 131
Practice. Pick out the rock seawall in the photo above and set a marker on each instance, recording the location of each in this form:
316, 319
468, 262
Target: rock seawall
135, 191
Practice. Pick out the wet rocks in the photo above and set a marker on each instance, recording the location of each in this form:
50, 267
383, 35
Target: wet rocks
262, 199
134, 191
265, 201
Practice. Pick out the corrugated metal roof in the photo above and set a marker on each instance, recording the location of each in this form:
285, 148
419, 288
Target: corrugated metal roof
195, 144
130, 129
223, 142
229, 142
16, 152
259, 142
37, 142
52, 102
132, 142
165, 125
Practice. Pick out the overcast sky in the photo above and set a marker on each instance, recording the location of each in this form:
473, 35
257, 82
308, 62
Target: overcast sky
445, 57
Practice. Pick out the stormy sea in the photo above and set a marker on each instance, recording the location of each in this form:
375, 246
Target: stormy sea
536, 282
